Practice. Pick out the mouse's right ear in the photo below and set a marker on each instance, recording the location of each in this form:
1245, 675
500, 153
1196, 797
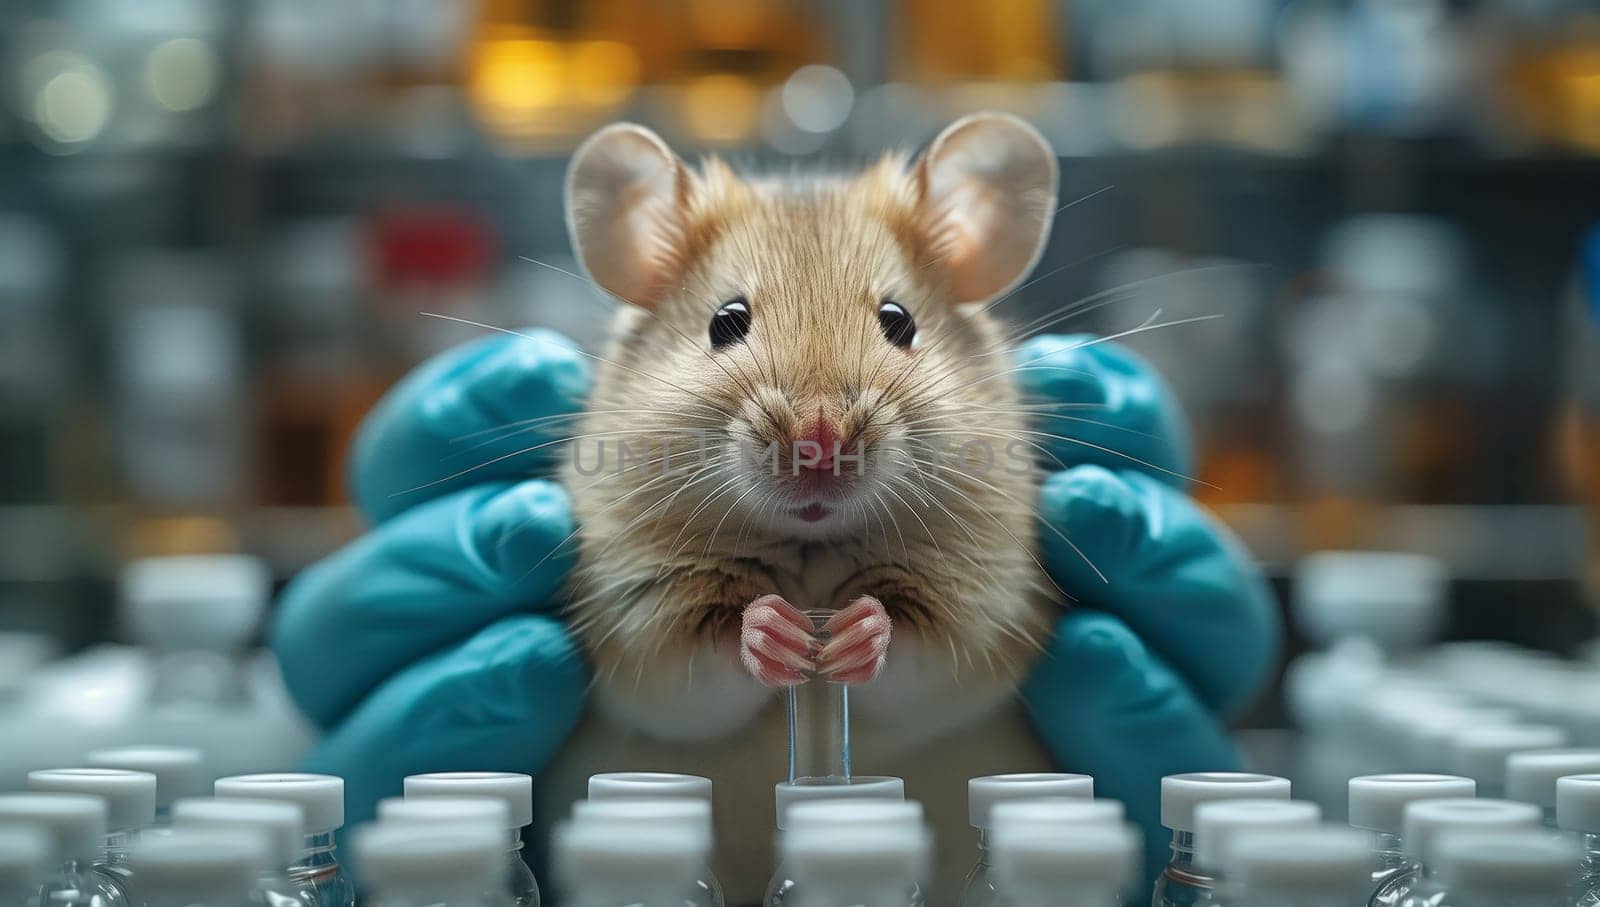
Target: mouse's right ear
627, 194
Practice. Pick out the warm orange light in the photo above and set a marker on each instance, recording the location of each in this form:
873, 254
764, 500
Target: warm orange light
722, 108
515, 78
604, 73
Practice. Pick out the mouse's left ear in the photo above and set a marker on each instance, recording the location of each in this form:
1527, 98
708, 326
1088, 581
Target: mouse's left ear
986, 194
626, 199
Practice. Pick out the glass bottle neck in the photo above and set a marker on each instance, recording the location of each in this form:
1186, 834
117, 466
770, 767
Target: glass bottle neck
1388, 852
118, 845
1182, 866
318, 850
1591, 851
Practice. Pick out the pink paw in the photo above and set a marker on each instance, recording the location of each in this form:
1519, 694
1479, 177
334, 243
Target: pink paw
859, 643
776, 644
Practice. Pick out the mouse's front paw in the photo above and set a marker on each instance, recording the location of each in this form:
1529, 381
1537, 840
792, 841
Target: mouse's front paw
776, 644
859, 642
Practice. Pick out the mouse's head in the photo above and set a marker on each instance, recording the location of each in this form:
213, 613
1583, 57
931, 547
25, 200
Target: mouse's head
819, 340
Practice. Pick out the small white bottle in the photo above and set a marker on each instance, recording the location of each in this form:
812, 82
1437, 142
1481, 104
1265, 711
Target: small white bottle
1531, 776
180, 770
1316, 866
862, 866
25, 855
658, 812
1426, 821
789, 793
1182, 882
1216, 824
1377, 807
1505, 869
282, 826
76, 826
1480, 753
408, 864
199, 867
600, 863
130, 808
662, 785
1040, 863
321, 799
194, 613
852, 814
1578, 813
513, 789
978, 889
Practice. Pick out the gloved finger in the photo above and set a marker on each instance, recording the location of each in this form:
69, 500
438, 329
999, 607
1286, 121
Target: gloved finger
1107, 706
483, 411
1094, 401
430, 577
1128, 544
503, 700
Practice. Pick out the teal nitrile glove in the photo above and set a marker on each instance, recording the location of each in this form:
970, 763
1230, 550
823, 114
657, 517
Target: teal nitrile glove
1173, 625
433, 642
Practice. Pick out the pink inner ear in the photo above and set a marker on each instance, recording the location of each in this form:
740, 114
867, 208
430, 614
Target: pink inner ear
625, 202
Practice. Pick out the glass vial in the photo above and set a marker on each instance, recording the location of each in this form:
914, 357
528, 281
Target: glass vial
1183, 882
1377, 807
512, 788
409, 864
321, 797
1578, 813
192, 867
282, 825
76, 826
983, 793
781, 887
130, 799
662, 785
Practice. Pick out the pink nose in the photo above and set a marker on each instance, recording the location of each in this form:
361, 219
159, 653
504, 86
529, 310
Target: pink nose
817, 444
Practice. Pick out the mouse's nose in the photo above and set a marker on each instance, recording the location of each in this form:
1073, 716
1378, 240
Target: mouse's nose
817, 444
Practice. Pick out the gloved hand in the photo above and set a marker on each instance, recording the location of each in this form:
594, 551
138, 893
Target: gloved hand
1173, 624
433, 642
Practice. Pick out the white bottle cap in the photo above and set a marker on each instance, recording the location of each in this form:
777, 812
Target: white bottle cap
130, 796
613, 862
1510, 864
1395, 599
200, 865
282, 824
835, 813
881, 787
1378, 802
1426, 820
404, 856
1578, 804
1283, 865
634, 785
1481, 753
647, 813
490, 810
849, 860
1046, 868
1181, 794
1057, 812
1531, 776
321, 796
514, 788
984, 792
25, 855
1216, 823
75, 823
180, 770
212, 601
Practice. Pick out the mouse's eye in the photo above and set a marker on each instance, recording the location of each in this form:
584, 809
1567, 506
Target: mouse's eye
730, 323
897, 324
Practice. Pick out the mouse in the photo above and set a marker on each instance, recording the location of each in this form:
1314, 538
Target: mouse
804, 458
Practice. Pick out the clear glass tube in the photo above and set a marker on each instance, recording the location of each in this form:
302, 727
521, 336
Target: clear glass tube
77, 884
819, 721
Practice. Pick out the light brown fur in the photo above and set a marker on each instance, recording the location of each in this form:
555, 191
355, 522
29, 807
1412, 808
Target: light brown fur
667, 563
